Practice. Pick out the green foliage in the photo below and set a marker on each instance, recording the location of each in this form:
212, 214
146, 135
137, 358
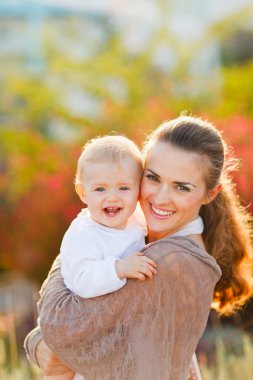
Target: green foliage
27, 101
121, 90
236, 93
13, 367
231, 365
22, 371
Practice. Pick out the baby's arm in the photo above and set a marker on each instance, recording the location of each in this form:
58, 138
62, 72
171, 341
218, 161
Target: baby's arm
85, 270
93, 278
136, 265
88, 274
89, 278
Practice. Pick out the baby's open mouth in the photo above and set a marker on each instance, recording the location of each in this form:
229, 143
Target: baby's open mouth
112, 211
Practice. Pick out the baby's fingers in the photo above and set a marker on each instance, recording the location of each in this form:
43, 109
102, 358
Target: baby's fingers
152, 269
149, 261
148, 271
140, 276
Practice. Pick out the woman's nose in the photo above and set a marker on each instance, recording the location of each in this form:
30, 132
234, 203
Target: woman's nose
163, 196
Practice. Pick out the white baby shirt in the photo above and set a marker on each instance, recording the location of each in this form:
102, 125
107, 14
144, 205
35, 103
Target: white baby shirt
89, 251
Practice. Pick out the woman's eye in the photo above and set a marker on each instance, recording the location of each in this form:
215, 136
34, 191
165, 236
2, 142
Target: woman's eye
124, 188
151, 177
99, 189
182, 188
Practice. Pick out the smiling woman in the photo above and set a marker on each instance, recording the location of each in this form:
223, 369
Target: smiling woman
187, 173
150, 329
173, 189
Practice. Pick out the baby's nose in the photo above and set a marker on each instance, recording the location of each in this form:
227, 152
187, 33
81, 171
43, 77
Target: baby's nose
112, 196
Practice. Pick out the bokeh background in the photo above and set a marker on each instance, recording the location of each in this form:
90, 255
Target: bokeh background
72, 70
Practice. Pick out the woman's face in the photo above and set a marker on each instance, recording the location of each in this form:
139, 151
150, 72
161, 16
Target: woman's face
172, 189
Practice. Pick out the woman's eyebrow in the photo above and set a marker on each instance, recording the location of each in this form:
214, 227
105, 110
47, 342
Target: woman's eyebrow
184, 183
155, 174
175, 182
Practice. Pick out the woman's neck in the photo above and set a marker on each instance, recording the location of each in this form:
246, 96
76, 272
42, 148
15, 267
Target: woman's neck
192, 228
153, 236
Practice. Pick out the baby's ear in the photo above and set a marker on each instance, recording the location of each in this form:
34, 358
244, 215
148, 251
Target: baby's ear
81, 192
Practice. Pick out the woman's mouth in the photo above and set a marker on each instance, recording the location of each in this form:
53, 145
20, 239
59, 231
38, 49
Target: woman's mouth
160, 213
112, 211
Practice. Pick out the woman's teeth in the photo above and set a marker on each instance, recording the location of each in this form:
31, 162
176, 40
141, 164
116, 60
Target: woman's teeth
162, 212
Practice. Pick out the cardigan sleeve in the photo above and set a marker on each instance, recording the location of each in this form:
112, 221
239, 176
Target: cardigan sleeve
30, 344
34, 337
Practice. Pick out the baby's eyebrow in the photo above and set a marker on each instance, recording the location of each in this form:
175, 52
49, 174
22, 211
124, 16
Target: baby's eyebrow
99, 184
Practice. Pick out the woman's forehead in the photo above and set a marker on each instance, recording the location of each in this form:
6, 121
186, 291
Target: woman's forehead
169, 161
166, 152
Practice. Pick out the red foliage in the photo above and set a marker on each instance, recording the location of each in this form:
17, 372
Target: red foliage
32, 227
34, 219
41, 218
238, 132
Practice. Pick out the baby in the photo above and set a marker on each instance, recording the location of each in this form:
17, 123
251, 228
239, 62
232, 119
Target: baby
101, 248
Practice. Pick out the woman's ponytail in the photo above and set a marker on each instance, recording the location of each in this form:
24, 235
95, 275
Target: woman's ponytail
227, 237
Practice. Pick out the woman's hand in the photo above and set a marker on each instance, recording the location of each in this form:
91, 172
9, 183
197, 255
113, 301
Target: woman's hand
136, 265
49, 362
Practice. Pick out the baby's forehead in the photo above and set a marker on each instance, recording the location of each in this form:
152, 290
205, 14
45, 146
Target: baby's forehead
123, 163
121, 171
126, 164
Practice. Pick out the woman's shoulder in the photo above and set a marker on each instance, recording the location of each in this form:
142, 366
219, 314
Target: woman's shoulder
184, 251
175, 244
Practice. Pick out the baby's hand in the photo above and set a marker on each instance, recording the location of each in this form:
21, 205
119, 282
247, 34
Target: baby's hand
136, 265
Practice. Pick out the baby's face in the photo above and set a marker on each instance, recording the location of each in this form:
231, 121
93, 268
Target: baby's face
111, 191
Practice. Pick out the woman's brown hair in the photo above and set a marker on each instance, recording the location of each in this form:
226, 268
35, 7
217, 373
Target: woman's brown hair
227, 233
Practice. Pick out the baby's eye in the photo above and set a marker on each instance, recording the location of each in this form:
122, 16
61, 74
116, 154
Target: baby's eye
182, 188
124, 188
152, 177
99, 189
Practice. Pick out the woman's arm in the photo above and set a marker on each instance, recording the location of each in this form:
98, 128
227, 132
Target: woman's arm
31, 343
109, 333
40, 354
34, 337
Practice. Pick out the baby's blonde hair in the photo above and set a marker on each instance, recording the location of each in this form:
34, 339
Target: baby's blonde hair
111, 149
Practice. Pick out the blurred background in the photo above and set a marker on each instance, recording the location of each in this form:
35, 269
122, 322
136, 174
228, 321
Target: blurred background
74, 69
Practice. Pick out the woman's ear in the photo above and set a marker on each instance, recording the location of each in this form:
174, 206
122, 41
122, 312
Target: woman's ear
211, 194
81, 192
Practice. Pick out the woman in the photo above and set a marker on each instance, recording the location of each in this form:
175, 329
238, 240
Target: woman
149, 330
